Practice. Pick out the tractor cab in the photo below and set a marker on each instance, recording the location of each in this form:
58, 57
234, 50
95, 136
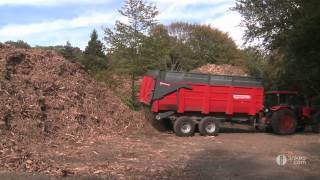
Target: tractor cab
281, 99
287, 111
277, 100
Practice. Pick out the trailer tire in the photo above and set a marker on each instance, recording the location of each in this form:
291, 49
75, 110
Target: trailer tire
284, 122
184, 126
209, 126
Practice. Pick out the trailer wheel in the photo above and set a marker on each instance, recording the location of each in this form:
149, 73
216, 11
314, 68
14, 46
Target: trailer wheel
209, 126
184, 126
284, 122
316, 123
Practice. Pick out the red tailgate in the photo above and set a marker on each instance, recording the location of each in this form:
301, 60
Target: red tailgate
146, 90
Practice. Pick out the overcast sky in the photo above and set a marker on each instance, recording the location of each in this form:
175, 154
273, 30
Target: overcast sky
53, 22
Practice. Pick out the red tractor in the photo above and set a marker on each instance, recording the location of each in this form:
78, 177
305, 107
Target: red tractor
286, 112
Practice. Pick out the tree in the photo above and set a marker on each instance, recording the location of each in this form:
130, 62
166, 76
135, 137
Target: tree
69, 52
268, 20
209, 45
19, 44
288, 30
154, 49
93, 57
259, 64
184, 46
126, 38
161, 51
95, 46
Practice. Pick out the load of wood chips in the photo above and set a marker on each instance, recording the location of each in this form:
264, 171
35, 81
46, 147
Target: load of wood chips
47, 100
224, 69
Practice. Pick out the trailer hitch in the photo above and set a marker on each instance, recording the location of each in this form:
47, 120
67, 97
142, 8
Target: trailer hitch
164, 115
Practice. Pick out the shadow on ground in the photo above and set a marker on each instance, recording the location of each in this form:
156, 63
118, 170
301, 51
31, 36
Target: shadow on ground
226, 165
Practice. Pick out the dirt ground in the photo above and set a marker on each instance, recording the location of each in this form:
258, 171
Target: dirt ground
234, 154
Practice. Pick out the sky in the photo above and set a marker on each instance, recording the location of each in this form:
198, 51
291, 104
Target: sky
53, 22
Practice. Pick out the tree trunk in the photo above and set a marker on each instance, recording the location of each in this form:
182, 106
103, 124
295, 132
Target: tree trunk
164, 64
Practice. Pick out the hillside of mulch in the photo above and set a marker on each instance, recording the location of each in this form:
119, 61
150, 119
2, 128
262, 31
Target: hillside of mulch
224, 69
47, 100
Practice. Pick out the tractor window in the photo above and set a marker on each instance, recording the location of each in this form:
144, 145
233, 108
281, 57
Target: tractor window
288, 99
271, 100
280, 99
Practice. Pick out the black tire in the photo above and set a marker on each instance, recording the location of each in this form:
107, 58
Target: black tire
284, 122
209, 126
160, 126
184, 126
316, 123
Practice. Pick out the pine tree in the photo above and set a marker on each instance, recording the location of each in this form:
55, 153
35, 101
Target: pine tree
95, 46
94, 58
68, 52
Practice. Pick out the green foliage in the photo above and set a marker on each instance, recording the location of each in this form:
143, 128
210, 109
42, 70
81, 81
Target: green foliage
255, 62
106, 76
93, 57
125, 39
156, 48
289, 31
207, 44
267, 20
66, 51
266, 66
93, 63
129, 36
69, 52
183, 47
95, 46
19, 44
127, 100
58, 48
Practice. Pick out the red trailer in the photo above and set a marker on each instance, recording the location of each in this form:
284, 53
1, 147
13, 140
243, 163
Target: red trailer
191, 98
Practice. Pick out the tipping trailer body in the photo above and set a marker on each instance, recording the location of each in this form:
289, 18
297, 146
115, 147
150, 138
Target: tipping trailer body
201, 93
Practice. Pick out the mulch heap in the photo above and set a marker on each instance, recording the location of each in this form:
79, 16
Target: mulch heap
224, 69
45, 98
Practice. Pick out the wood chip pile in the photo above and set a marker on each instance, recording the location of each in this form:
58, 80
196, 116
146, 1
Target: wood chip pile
224, 69
45, 98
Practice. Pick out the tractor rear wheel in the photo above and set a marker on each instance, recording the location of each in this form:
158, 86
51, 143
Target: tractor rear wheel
184, 126
209, 126
284, 122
